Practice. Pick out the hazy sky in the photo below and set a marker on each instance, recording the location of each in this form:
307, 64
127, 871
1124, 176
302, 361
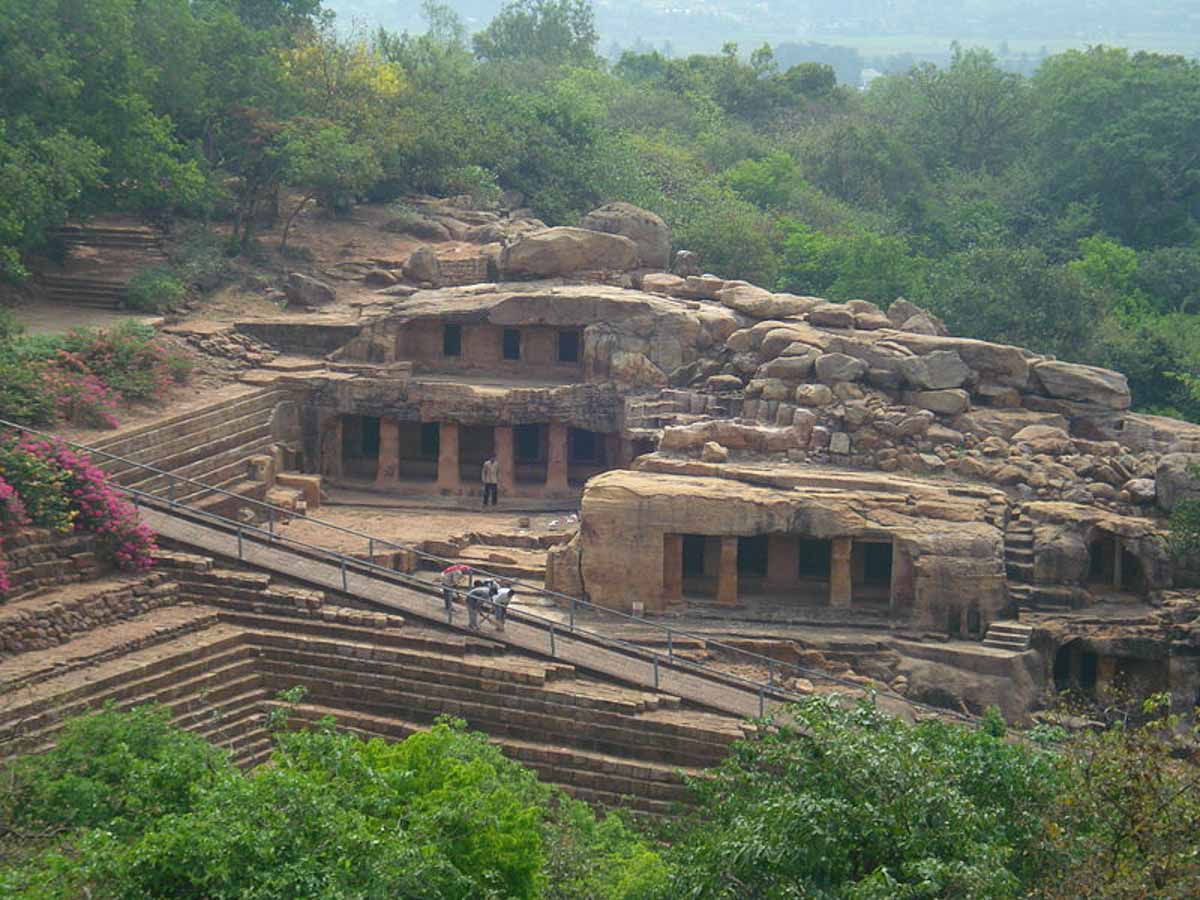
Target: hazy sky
874, 27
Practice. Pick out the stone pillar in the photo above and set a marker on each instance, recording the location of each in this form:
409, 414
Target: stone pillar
448, 478
672, 569
783, 560
841, 584
1118, 563
331, 448
387, 472
727, 572
556, 460
503, 442
612, 451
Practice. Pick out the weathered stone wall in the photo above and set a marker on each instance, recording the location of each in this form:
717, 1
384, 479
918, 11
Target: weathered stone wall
53, 620
37, 560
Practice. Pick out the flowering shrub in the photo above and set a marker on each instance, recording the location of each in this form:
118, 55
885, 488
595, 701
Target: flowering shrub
12, 515
84, 376
48, 483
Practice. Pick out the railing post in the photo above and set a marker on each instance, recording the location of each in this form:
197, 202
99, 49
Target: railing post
271, 520
656, 673
344, 589
573, 601
552, 652
762, 701
171, 491
670, 646
239, 542
771, 673
371, 549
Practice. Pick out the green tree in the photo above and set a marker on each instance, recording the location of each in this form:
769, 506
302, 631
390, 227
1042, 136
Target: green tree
553, 31
1121, 129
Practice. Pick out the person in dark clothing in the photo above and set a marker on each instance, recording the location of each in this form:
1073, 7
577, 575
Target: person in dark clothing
476, 597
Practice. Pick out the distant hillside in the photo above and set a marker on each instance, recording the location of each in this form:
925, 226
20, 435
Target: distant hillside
874, 27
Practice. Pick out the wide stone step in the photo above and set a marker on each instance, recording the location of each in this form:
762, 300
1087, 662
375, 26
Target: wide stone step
141, 638
222, 464
150, 437
146, 666
184, 449
441, 677
587, 729
206, 684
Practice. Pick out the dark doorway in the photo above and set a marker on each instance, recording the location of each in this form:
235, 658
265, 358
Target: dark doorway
530, 447
430, 439
360, 446
815, 558
752, 556
568, 346
452, 340
512, 343
1132, 576
877, 563
693, 555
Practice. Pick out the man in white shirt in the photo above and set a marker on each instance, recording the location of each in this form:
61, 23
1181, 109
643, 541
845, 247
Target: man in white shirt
491, 480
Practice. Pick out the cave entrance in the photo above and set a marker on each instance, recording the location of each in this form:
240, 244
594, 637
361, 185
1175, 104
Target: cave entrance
360, 447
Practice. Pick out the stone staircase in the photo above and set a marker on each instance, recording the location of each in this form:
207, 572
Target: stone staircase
210, 445
648, 415
1013, 636
101, 258
1018, 561
234, 639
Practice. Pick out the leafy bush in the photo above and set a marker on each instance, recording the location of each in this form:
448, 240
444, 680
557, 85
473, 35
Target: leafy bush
442, 814
852, 802
61, 490
154, 291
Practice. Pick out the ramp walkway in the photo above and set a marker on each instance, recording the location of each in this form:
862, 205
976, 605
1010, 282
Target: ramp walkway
659, 667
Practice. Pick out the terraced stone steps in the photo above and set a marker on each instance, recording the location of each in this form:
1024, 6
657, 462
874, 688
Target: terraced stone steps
666, 736
594, 777
1008, 636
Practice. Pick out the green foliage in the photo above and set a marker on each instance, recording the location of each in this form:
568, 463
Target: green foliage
556, 31
851, 802
118, 771
41, 485
442, 814
1185, 528
154, 290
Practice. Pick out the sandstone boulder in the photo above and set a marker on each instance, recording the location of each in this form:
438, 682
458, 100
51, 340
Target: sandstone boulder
1174, 481
647, 230
662, 283
789, 368
633, 368
687, 263
1084, 384
703, 287
1140, 490
419, 226
815, 395
761, 304
562, 251
934, 371
304, 290
834, 367
1044, 439
422, 265
832, 315
948, 402
722, 383
713, 452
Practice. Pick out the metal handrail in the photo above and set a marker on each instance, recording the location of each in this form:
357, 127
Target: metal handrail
574, 603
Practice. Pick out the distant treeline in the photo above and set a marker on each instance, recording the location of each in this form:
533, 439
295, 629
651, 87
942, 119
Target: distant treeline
1057, 211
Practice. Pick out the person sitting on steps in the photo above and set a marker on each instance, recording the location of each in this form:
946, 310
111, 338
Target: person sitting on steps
491, 480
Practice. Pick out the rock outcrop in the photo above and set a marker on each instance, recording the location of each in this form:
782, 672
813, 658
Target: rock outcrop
565, 251
647, 230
